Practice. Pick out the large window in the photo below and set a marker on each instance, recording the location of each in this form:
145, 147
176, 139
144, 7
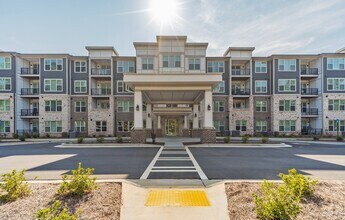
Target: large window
147, 63
215, 66
125, 106
80, 66
122, 87
4, 105
261, 67
5, 63
287, 105
194, 63
5, 84
218, 106
286, 85
239, 104
80, 106
287, 125
241, 125
219, 125
336, 104
80, 86
286, 64
220, 88
125, 66
53, 106
335, 63
53, 126
171, 61
5, 126
53, 64
336, 84
333, 125
124, 125
101, 126
102, 104
261, 106
53, 85
80, 126
260, 126
261, 86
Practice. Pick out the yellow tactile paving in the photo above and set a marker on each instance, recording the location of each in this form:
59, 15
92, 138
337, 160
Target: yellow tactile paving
177, 198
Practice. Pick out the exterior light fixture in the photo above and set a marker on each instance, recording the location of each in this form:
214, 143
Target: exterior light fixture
148, 115
195, 115
209, 107
137, 107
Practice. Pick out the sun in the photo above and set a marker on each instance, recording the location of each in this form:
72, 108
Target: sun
165, 11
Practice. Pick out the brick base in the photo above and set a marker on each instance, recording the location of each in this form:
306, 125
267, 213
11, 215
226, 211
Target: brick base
196, 133
148, 133
185, 133
138, 136
159, 132
208, 135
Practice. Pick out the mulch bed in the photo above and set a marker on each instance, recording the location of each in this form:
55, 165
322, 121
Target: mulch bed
328, 203
102, 203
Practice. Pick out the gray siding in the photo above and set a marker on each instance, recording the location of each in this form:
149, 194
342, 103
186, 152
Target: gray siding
79, 116
262, 76
286, 75
54, 75
119, 76
12, 74
79, 76
331, 74
263, 115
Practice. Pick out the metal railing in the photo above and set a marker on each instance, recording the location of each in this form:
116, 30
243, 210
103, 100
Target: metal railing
29, 112
309, 91
100, 71
310, 111
30, 91
28, 132
240, 91
100, 91
310, 71
311, 131
29, 71
240, 72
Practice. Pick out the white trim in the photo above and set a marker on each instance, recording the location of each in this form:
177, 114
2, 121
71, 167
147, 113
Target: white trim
80, 61
261, 62
4, 78
260, 86
284, 86
56, 59
4, 57
76, 81
44, 85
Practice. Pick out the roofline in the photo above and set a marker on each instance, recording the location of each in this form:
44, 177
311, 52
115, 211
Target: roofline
171, 37
102, 48
144, 44
197, 44
238, 48
341, 50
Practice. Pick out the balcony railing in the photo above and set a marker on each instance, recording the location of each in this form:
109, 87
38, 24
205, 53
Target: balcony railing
30, 91
310, 111
311, 131
100, 91
29, 112
240, 72
309, 91
29, 71
28, 132
100, 71
240, 91
310, 71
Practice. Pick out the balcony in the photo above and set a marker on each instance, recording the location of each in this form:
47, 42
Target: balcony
244, 92
313, 72
30, 91
100, 91
240, 72
309, 91
309, 112
25, 71
100, 72
29, 113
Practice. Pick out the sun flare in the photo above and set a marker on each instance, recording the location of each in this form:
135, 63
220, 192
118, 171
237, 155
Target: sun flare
165, 11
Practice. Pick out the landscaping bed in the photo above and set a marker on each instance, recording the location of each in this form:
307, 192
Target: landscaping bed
328, 202
101, 203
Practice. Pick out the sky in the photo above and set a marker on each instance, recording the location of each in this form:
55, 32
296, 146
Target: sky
271, 26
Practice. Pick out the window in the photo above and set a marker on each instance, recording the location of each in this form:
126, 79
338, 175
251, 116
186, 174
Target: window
124, 125
335, 63
125, 106
53, 85
239, 104
241, 125
218, 106
80, 106
5, 126
80, 86
260, 126
101, 126
53, 106
80, 66
125, 66
5, 63
80, 126
219, 125
287, 105
261, 106
5, 84
102, 104
4, 105
287, 125
286, 85
122, 87
53, 64
334, 126
171, 61
334, 104
261, 67
336, 84
215, 67
53, 126
147, 63
194, 63
261, 86
220, 88
286, 64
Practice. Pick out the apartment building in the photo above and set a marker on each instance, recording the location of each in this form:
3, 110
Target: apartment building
172, 88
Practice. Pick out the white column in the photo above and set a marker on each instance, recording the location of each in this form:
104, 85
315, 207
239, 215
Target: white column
195, 119
149, 116
185, 122
159, 122
138, 113
208, 119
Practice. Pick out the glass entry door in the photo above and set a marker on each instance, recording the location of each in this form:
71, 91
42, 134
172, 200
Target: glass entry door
171, 127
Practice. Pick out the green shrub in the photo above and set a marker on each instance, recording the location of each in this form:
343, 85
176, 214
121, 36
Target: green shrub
119, 139
56, 212
79, 183
100, 139
298, 184
15, 136
264, 140
340, 138
35, 135
227, 139
14, 186
80, 140
47, 135
22, 138
245, 139
316, 138
64, 134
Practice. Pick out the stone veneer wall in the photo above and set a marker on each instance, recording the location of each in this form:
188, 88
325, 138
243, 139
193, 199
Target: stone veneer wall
122, 116
331, 115
101, 115
208, 135
63, 116
8, 116
242, 114
278, 115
